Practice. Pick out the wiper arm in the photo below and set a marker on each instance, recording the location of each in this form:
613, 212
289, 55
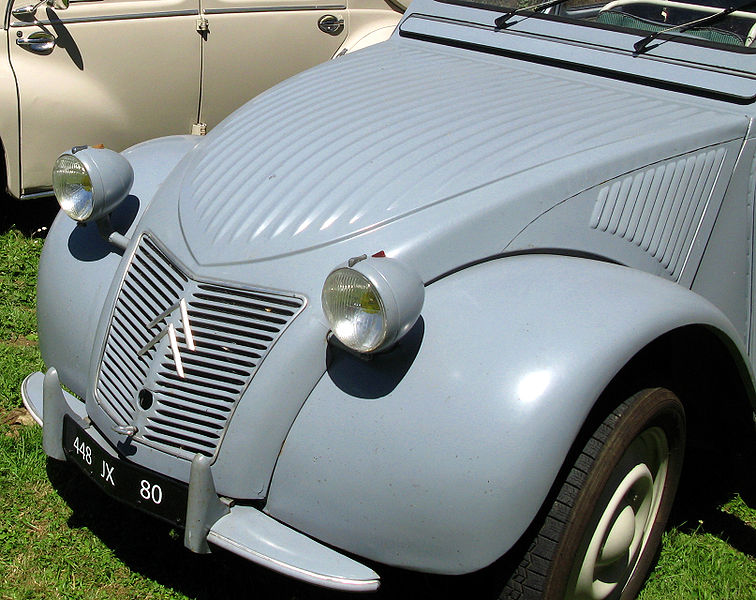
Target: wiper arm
642, 44
501, 21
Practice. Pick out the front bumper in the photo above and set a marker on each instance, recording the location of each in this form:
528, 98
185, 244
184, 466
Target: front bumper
240, 529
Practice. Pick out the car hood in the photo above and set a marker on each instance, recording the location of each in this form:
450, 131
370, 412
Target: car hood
371, 138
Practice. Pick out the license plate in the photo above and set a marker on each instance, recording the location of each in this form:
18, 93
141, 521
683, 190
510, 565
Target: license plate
154, 493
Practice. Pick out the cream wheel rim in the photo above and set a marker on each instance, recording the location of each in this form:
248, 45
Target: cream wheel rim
625, 520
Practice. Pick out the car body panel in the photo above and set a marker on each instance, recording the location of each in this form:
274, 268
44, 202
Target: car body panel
173, 75
297, 207
9, 120
628, 219
117, 106
505, 192
271, 40
441, 470
562, 221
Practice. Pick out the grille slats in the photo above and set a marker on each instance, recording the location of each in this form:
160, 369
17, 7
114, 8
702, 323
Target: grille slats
231, 325
135, 305
191, 419
195, 396
189, 430
181, 441
243, 310
216, 354
212, 329
193, 411
232, 328
156, 294
218, 379
126, 339
207, 361
117, 392
226, 295
129, 370
214, 345
176, 278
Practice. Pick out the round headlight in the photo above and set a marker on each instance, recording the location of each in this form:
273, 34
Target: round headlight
90, 182
372, 304
73, 187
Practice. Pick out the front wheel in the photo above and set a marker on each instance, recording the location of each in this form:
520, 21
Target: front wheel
601, 534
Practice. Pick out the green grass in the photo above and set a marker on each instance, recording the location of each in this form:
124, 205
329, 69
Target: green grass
61, 539
702, 566
18, 329
44, 551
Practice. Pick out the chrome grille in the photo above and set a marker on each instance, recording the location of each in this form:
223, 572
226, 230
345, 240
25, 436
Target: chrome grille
232, 330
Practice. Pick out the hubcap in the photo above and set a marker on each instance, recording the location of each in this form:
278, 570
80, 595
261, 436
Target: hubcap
623, 519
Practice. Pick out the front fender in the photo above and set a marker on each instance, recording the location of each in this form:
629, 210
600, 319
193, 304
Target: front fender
67, 314
443, 469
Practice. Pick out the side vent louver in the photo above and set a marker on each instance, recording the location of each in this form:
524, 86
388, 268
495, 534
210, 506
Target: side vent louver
661, 208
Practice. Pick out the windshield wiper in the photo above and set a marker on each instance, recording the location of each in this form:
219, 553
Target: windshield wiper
642, 44
502, 21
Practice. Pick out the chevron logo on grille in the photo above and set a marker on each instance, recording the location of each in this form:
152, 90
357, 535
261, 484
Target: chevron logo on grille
170, 331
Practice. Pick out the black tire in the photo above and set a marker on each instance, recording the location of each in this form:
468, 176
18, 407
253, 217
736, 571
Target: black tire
619, 490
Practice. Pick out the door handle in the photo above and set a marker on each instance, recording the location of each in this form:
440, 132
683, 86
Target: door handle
40, 42
331, 24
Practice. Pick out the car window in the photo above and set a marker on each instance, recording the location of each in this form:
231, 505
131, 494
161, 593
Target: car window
693, 21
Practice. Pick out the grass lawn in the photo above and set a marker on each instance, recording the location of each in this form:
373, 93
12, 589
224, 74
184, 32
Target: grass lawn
60, 538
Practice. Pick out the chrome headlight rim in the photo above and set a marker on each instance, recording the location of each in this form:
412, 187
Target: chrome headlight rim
65, 196
346, 327
398, 294
90, 182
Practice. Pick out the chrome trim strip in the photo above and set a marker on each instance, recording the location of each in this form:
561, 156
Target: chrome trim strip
175, 350
185, 324
37, 195
26, 395
171, 331
102, 18
327, 581
280, 8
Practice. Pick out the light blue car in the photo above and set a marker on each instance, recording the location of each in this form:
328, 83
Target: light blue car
458, 301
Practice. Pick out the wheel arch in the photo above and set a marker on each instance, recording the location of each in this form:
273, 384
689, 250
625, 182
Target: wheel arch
705, 369
707, 372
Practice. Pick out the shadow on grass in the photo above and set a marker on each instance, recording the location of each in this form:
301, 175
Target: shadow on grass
155, 550
30, 217
713, 476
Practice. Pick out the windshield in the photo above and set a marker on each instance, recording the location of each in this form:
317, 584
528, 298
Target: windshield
735, 30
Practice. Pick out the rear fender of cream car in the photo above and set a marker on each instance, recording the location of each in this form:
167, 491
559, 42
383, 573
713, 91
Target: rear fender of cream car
9, 132
443, 467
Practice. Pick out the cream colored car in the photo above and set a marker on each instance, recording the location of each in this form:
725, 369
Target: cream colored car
121, 71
